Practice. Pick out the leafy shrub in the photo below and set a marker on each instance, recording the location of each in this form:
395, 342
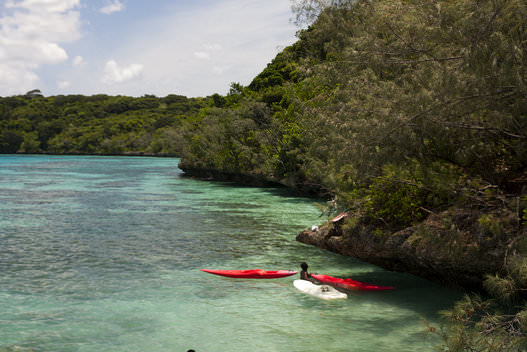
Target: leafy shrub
396, 198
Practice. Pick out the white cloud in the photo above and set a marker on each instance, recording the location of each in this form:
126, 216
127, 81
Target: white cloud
219, 70
50, 53
202, 55
77, 61
63, 84
206, 55
113, 73
113, 6
228, 41
16, 79
212, 47
44, 5
31, 34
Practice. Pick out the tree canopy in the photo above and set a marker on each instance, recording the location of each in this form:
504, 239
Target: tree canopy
98, 124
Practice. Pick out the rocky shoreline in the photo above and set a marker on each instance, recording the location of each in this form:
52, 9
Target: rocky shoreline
217, 175
300, 189
455, 248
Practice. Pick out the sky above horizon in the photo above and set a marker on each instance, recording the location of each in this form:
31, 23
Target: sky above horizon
136, 47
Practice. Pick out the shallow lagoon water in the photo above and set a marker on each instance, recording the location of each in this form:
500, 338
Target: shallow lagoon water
103, 254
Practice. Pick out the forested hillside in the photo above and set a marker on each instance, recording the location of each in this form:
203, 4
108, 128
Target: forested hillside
424, 98
397, 108
98, 124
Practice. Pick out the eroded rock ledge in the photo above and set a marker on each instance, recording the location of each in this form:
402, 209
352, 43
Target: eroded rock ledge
456, 248
238, 178
258, 180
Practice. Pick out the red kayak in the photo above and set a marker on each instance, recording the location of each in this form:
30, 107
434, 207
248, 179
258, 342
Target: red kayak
349, 284
252, 274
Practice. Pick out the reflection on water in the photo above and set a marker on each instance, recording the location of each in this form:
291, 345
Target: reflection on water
103, 254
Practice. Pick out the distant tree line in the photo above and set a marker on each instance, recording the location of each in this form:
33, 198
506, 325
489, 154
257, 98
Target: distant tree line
98, 124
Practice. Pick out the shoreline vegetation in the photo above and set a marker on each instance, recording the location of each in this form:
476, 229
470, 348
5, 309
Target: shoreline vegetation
411, 115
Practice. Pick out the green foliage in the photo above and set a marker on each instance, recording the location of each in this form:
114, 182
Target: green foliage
282, 69
504, 288
218, 100
98, 124
30, 143
494, 324
490, 225
508, 288
476, 324
10, 141
395, 200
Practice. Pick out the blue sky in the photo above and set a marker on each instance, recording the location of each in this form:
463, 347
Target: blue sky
137, 47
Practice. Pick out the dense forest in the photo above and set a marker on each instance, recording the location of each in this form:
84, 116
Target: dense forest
99, 124
395, 110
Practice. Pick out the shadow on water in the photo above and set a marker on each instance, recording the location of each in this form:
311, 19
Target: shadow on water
424, 297
272, 189
412, 293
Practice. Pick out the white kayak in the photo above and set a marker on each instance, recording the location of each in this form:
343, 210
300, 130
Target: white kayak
320, 291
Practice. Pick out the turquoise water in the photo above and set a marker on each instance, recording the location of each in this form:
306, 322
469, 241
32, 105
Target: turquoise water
103, 254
